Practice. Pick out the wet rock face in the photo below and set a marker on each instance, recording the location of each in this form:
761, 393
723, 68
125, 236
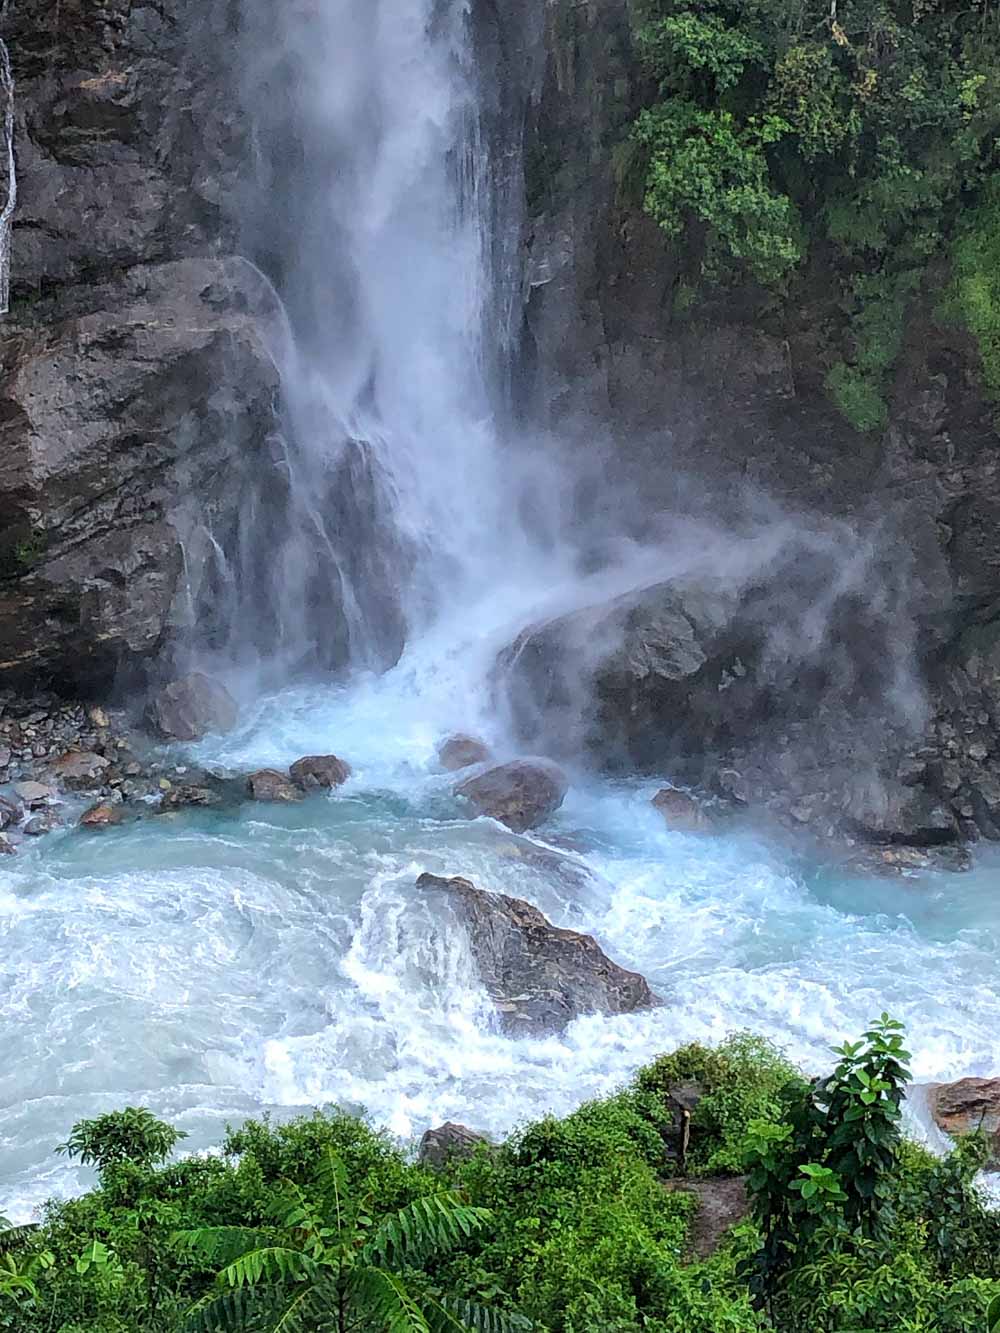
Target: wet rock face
80, 770
319, 772
539, 977
461, 751
190, 708
134, 379
521, 795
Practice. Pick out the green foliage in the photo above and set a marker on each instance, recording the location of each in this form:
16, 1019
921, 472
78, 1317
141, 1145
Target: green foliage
578, 1225
325, 1254
857, 397
865, 133
133, 1135
976, 261
705, 166
825, 1168
740, 1081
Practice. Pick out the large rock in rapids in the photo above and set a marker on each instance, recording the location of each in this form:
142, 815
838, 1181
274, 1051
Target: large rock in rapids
521, 794
626, 677
319, 772
892, 813
680, 811
539, 976
461, 751
966, 1106
269, 784
190, 708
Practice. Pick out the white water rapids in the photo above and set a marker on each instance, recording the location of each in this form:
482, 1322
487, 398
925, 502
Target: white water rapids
214, 966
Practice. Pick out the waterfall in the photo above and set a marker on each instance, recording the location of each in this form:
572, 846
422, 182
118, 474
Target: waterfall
394, 250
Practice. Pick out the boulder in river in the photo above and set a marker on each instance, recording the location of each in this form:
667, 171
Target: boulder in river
33, 794
189, 708
268, 784
448, 1143
10, 813
319, 772
539, 977
188, 797
105, 814
680, 811
522, 794
461, 751
966, 1106
7, 848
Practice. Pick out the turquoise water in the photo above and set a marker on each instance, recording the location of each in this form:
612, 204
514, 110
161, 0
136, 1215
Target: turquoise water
213, 966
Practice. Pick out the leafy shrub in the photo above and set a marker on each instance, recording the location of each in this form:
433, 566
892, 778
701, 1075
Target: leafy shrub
866, 132
854, 1228
976, 258
740, 1081
857, 397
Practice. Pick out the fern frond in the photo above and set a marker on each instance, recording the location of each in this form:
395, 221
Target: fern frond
221, 1245
226, 1312
305, 1312
274, 1264
425, 1227
384, 1303
13, 1238
452, 1316
331, 1181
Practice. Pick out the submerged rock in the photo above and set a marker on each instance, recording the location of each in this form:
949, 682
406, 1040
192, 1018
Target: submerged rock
319, 772
39, 825
190, 708
521, 794
7, 848
268, 784
448, 1143
103, 815
540, 977
680, 811
461, 751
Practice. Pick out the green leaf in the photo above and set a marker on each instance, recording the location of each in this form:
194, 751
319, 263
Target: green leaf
425, 1227
386, 1303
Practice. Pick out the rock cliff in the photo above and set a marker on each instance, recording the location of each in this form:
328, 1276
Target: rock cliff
704, 410
136, 384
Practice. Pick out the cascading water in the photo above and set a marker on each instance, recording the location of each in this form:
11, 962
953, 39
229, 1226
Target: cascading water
214, 965
374, 208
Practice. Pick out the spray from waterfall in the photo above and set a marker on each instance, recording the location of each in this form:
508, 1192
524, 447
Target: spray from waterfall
394, 248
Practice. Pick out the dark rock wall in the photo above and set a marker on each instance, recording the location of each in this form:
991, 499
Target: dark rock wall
706, 410
135, 382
